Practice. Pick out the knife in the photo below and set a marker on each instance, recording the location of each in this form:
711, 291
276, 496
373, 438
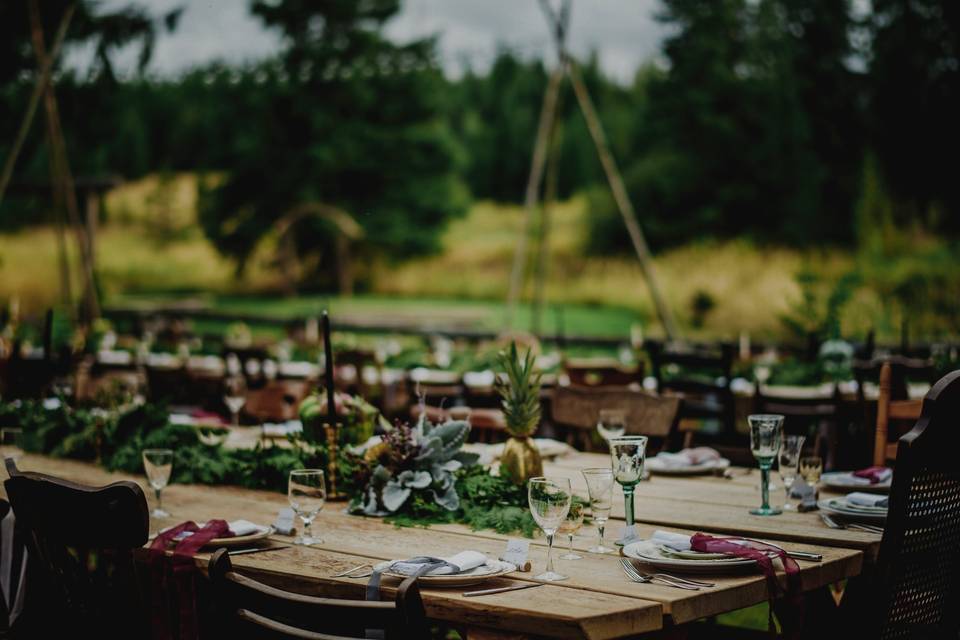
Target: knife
516, 587
803, 555
255, 550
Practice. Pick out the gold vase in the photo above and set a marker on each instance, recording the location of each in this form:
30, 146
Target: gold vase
521, 459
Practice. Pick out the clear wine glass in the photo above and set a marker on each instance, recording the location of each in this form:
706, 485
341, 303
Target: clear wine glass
569, 527
158, 464
766, 431
611, 423
628, 454
600, 490
788, 462
235, 396
307, 493
549, 500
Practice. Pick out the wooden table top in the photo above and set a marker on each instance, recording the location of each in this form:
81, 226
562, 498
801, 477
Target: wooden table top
597, 601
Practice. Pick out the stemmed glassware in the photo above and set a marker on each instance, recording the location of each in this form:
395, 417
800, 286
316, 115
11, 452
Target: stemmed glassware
766, 431
811, 468
628, 454
570, 526
235, 396
158, 464
549, 500
600, 490
788, 462
611, 423
307, 493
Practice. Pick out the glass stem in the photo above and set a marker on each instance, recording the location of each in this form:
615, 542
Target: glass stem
236, 418
307, 533
765, 486
600, 527
159, 492
570, 546
628, 505
550, 553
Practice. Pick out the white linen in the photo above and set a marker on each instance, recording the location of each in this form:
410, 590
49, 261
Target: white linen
243, 527
675, 541
867, 499
282, 429
685, 458
464, 561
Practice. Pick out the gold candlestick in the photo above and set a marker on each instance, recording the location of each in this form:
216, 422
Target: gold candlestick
333, 438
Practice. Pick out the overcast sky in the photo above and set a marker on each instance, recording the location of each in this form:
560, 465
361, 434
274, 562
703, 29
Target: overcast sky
623, 32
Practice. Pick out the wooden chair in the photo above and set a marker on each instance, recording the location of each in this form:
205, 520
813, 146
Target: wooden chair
889, 410
278, 401
816, 417
486, 425
575, 409
602, 372
702, 378
251, 609
81, 542
915, 588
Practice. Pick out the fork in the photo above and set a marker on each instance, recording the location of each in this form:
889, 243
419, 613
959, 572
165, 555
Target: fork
635, 576
667, 576
836, 524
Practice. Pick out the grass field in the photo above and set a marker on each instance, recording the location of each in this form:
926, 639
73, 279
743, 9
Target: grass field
150, 246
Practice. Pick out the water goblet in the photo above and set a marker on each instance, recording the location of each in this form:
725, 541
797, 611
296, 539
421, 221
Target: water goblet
766, 431
628, 454
611, 423
306, 493
549, 500
158, 465
570, 526
600, 490
787, 464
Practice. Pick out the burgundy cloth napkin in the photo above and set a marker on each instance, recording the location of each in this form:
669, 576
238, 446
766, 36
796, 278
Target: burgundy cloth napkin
874, 474
179, 579
763, 553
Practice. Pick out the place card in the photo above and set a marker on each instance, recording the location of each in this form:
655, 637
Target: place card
516, 553
284, 522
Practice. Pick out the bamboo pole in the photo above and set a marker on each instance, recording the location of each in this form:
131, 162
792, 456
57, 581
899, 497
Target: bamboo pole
543, 244
38, 89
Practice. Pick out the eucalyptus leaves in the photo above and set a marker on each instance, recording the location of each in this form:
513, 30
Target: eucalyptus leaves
415, 463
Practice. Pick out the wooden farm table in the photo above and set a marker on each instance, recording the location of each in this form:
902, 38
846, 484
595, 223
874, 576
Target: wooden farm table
596, 602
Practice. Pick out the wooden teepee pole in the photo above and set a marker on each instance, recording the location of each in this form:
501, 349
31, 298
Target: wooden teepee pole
42, 79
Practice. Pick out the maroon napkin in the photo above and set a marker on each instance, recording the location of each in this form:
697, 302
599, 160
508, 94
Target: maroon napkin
179, 579
764, 554
873, 474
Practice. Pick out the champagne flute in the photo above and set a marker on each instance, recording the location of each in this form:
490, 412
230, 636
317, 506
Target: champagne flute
611, 423
549, 500
235, 396
306, 492
570, 526
787, 463
158, 464
600, 489
766, 431
628, 454
810, 469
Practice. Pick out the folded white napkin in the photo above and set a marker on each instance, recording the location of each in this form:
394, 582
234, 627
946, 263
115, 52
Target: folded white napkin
675, 541
283, 428
464, 561
243, 527
867, 499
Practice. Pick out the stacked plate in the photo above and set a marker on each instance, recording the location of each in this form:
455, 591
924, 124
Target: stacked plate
855, 512
492, 569
658, 555
844, 481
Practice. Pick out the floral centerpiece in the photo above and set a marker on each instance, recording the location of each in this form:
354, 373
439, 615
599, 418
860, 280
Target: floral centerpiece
412, 467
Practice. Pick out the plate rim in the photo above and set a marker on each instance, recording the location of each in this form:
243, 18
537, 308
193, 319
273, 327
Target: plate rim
680, 562
505, 568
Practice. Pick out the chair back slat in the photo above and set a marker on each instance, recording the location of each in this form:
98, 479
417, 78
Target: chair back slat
267, 612
919, 560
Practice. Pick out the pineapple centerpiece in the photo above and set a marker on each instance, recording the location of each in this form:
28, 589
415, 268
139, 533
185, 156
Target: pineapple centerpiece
520, 399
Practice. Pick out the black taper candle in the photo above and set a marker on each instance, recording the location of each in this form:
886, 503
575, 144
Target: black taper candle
328, 374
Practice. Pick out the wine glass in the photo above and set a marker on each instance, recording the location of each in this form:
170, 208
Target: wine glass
306, 493
611, 423
11, 439
570, 526
810, 469
600, 490
235, 396
788, 461
549, 500
628, 454
766, 431
158, 464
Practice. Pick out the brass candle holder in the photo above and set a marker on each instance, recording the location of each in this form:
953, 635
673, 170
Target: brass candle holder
333, 440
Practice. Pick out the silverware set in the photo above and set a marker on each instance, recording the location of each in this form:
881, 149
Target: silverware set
662, 578
833, 523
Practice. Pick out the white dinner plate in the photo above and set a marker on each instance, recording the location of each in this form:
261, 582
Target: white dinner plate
650, 552
837, 506
710, 466
844, 481
492, 569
